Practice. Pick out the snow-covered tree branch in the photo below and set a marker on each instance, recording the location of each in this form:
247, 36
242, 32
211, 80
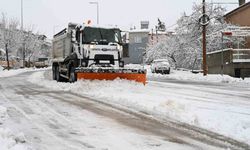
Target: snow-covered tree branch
184, 48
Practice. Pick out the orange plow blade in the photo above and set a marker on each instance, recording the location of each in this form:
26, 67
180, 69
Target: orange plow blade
138, 76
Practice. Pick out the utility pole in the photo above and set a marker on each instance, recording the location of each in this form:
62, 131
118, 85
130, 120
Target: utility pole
204, 39
22, 15
156, 34
7, 56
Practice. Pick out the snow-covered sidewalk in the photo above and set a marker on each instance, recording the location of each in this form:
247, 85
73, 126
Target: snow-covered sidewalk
219, 110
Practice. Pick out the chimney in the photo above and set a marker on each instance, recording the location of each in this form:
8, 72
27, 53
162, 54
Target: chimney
241, 2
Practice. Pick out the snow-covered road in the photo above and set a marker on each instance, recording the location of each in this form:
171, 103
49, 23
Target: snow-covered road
57, 119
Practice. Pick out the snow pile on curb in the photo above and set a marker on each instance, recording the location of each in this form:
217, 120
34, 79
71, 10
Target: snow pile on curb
189, 76
153, 99
9, 141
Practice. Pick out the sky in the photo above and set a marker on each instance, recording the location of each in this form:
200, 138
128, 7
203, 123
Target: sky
50, 16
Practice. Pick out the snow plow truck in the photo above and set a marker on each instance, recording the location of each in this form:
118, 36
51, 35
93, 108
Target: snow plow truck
93, 53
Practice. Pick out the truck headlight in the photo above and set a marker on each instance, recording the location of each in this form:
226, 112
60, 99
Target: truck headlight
91, 46
121, 63
119, 47
84, 64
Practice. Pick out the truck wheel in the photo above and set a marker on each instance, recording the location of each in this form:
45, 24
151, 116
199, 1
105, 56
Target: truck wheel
54, 72
72, 75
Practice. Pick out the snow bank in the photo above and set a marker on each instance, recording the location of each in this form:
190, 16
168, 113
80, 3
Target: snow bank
156, 99
13, 72
188, 76
9, 141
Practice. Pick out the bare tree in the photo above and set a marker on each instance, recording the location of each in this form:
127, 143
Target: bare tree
23, 44
10, 35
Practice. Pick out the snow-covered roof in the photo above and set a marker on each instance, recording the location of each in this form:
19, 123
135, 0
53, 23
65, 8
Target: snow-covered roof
218, 51
139, 30
237, 9
228, 49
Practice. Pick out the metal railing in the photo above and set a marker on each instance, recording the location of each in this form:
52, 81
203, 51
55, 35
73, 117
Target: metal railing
241, 55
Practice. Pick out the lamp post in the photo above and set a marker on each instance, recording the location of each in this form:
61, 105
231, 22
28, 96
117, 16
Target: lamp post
23, 51
21, 15
97, 10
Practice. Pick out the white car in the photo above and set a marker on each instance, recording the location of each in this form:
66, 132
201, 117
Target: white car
160, 66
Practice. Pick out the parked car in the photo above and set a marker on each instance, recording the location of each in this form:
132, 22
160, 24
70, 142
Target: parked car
160, 66
42, 62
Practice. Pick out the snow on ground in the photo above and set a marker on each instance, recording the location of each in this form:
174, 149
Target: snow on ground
213, 111
8, 140
187, 75
12, 72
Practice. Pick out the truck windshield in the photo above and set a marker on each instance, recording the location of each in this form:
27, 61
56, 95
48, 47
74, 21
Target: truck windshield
101, 35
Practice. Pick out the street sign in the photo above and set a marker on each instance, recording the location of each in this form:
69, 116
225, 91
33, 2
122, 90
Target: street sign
227, 33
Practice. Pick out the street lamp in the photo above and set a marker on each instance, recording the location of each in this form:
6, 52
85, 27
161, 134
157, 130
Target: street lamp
21, 15
23, 51
97, 10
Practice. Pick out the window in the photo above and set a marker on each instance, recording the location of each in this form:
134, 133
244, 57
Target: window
137, 39
125, 50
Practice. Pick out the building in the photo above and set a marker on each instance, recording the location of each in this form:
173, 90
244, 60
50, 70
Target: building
234, 61
139, 40
240, 17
